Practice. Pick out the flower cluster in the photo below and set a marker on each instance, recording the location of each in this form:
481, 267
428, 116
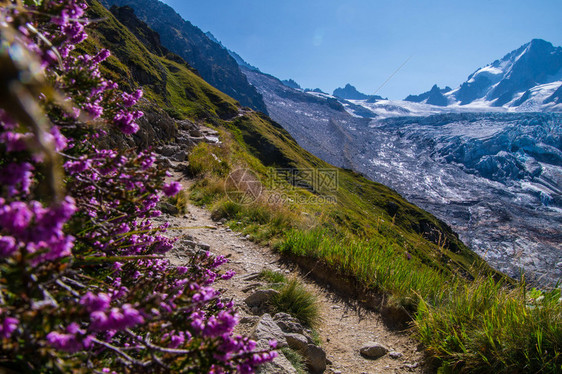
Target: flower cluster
84, 285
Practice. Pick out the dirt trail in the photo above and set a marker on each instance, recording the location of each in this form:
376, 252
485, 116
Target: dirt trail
344, 328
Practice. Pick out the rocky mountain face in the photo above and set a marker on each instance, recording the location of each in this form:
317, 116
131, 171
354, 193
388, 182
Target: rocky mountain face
239, 60
305, 114
349, 92
211, 60
291, 83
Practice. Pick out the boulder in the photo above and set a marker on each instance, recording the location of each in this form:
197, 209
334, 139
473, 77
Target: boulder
289, 324
260, 297
315, 359
373, 350
297, 342
267, 330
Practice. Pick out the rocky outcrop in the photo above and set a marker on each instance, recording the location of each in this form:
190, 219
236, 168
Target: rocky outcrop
288, 332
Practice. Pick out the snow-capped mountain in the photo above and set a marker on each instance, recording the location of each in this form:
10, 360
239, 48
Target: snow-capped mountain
526, 79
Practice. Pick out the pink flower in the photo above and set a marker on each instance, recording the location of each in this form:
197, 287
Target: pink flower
8, 326
171, 189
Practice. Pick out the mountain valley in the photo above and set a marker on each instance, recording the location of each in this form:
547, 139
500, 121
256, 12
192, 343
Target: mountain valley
494, 173
485, 157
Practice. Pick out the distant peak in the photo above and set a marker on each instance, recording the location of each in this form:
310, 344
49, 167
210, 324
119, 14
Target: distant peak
539, 45
540, 42
292, 84
349, 92
433, 96
212, 37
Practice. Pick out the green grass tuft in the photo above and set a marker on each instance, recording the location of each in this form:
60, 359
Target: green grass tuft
273, 277
181, 202
486, 327
296, 360
297, 301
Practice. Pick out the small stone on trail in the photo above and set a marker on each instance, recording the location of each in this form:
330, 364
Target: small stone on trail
411, 366
373, 350
395, 355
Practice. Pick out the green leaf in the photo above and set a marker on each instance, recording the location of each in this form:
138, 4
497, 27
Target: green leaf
33, 2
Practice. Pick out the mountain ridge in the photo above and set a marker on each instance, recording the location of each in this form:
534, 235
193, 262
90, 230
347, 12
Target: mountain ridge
211, 60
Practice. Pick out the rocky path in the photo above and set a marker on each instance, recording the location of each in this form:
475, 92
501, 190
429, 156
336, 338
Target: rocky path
345, 327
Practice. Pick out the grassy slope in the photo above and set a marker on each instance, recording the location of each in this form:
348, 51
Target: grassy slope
370, 233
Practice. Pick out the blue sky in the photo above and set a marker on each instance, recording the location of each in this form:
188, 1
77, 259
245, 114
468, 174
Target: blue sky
328, 43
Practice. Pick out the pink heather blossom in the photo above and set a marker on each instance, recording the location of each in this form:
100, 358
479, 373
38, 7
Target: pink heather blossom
101, 56
172, 188
94, 303
73, 341
58, 139
17, 175
228, 275
14, 142
116, 319
8, 246
130, 100
125, 121
8, 326
15, 217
